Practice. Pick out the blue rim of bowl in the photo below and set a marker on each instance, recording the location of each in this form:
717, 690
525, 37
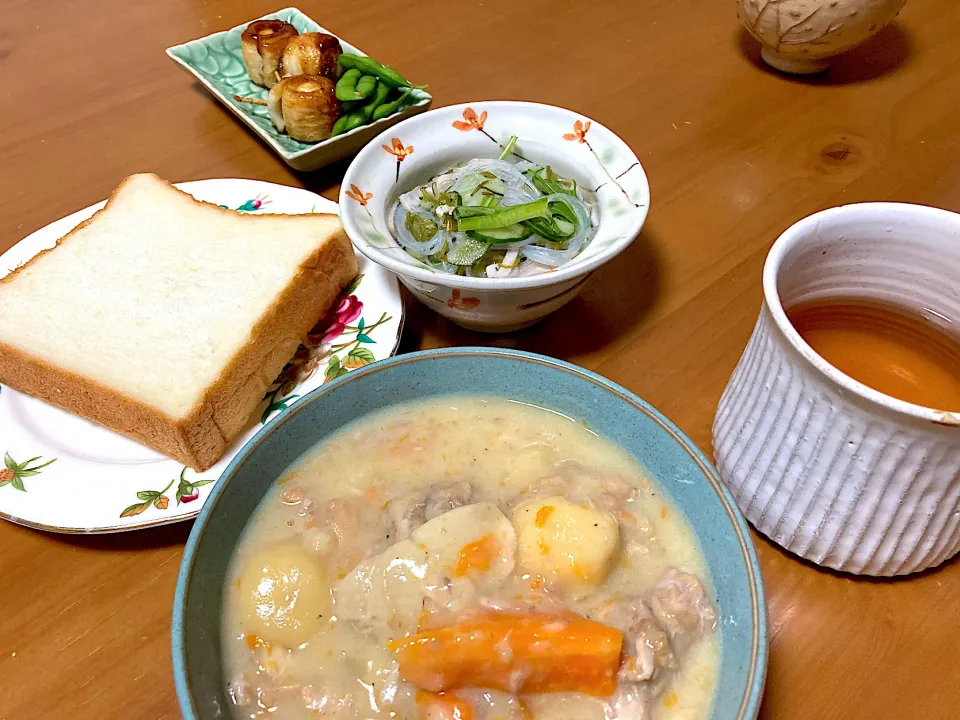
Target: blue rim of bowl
565, 272
756, 679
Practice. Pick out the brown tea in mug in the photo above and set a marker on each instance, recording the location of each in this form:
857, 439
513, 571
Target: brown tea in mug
888, 348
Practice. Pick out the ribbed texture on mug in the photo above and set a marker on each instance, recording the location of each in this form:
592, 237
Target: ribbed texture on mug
844, 486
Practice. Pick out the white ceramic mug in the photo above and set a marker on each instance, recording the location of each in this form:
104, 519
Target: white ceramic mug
823, 465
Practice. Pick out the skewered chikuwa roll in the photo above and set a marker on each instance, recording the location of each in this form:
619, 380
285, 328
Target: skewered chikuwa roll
304, 106
262, 45
312, 53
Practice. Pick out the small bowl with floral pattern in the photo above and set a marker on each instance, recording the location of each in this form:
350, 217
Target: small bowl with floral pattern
422, 147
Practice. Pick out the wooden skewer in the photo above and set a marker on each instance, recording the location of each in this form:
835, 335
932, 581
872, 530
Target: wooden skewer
252, 101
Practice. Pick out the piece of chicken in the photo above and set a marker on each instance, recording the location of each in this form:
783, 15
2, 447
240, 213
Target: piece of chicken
646, 645
305, 107
681, 606
408, 512
658, 630
261, 45
312, 53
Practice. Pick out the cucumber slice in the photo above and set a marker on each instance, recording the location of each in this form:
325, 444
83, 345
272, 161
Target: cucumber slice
467, 251
467, 185
511, 233
495, 186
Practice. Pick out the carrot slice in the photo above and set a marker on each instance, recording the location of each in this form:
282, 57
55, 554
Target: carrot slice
477, 556
443, 706
543, 514
516, 653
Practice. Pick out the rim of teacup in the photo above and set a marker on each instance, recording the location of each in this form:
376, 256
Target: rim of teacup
576, 268
798, 233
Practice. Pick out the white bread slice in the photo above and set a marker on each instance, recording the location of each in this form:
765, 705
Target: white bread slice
166, 319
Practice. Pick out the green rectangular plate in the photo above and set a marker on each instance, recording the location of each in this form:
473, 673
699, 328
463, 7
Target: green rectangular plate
216, 62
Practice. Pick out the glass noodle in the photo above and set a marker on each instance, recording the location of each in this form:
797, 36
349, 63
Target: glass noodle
494, 218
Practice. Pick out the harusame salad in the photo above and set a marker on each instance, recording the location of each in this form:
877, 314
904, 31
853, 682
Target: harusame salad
494, 218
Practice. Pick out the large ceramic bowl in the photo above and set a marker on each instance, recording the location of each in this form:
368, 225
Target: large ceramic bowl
413, 151
670, 457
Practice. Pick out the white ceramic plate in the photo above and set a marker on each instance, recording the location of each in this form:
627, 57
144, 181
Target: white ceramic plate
83, 478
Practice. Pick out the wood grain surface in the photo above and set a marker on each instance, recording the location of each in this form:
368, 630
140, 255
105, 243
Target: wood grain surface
735, 154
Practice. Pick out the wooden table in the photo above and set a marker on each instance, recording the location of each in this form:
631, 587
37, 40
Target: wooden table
735, 154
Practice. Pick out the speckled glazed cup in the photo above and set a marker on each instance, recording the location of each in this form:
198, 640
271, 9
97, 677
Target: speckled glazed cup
828, 468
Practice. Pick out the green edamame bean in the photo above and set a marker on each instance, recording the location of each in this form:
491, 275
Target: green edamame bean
347, 86
369, 66
379, 97
354, 120
362, 115
390, 108
366, 85
339, 126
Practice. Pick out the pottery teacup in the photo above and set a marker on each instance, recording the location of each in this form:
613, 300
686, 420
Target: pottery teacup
827, 467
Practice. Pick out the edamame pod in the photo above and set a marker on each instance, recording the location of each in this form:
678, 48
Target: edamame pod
362, 115
366, 85
347, 86
390, 108
339, 126
369, 66
374, 103
354, 120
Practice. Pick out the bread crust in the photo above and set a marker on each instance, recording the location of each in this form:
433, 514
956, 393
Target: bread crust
202, 436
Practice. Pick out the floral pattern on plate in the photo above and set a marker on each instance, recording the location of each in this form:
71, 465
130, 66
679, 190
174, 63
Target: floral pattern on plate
13, 472
333, 338
65, 474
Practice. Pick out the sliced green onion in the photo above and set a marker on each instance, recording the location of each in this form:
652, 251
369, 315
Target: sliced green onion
547, 229
508, 216
559, 225
562, 210
509, 148
465, 211
551, 187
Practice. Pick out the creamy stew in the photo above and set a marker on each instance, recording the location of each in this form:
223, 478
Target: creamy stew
469, 559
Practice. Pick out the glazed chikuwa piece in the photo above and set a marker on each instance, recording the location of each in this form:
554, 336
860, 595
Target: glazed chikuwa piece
262, 45
304, 106
312, 53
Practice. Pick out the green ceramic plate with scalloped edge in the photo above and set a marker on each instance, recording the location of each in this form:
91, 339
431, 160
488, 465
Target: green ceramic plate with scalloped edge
215, 61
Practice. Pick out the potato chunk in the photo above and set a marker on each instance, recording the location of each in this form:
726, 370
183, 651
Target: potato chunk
472, 530
573, 544
284, 595
446, 560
